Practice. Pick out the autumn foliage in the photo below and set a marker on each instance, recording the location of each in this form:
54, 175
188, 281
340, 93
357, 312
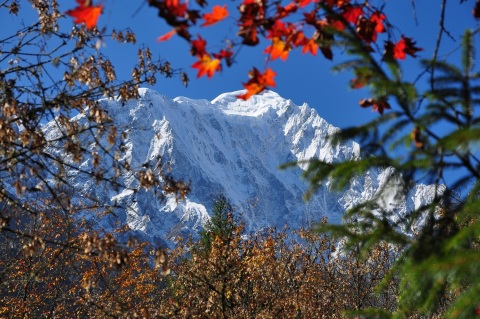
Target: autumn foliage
227, 274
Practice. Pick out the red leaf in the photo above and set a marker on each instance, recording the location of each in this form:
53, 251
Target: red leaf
400, 50
358, 83
277, 30
278, 49
310, 46
282, 12
335, 23
198, 47
352, 13
86, 13
311, 17
218, 13
258, 82
206, 66
298, 39
166, 36
176, 8
252, 17
304, 3
377, 105
410, 47
377, 19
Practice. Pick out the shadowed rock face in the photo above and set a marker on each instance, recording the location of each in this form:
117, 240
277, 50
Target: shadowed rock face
232, 147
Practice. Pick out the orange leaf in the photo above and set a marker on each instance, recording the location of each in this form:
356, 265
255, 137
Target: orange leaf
377, 105
86, 14
258, 82
417, 138
298, 39
304, 3
166, 36
310, 46
358, 83
283, 12
218, 13
278, 49
206, 65
252, 89
267, 77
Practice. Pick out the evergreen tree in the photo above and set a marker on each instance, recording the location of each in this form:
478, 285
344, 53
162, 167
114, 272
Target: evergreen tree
440, 260
221, 225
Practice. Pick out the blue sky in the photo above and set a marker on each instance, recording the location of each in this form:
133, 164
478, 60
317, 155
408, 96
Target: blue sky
302, 78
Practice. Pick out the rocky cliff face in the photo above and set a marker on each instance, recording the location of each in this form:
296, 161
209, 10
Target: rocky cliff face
232, 147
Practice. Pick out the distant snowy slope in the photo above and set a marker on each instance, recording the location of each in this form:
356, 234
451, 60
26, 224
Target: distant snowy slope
233, 147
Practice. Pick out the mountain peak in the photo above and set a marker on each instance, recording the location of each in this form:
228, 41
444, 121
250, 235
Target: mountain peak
231, 147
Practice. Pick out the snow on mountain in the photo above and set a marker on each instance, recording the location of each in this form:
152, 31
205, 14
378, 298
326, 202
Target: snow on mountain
232, 147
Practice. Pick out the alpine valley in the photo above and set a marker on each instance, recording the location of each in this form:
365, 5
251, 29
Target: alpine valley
231, 147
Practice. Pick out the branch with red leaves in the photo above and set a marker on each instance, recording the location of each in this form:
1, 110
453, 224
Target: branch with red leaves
309, 25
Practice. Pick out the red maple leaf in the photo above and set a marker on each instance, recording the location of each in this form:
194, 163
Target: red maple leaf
352, 13
304, 3
377, 19
278, 49
310, 17
283, 12
207, 66
258, 82
176, 8
368, 29
252, 16
166, 36
198, 47
335, 23
358, 83
277, 30
409, 46
86, 13
400, 50
218, 13
377, 105
298, 39
310, 45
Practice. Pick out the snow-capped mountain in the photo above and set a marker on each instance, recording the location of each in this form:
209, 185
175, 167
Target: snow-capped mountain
232, 147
